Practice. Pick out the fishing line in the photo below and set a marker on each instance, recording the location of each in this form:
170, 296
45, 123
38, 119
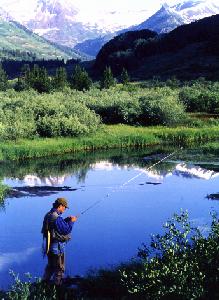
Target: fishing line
128, 181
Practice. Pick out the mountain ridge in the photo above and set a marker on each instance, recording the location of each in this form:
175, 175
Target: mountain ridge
187, 52
164, 20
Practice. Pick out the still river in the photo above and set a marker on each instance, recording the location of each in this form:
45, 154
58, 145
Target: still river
111, 231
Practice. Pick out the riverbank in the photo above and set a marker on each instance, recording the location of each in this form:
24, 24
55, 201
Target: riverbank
109, 137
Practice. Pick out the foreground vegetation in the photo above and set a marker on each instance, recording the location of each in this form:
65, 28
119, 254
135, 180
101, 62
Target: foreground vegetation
181, 263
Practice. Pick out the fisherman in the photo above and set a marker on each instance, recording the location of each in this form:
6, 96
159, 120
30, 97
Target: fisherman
56, 231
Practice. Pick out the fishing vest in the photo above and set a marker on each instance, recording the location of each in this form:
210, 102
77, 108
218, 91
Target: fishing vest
49, 225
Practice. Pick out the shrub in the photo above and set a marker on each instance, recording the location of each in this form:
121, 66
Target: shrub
158, 108
69, 119
199, 99
180, 264
28, 290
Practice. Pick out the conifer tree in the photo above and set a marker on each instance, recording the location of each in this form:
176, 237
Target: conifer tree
60, 78
80, 79
3, 79
37, 78
107, 80
125, 77
23, 82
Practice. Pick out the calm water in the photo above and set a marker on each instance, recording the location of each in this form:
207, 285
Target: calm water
111, 231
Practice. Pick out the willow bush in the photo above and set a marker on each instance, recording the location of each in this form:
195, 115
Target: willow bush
29, 114
200, 97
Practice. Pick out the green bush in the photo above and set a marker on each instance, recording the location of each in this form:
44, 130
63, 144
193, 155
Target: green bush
199, 98
161, 108
180, 264
28, 290
29, 114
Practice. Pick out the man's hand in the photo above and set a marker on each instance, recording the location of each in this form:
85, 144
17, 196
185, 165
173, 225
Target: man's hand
73, 218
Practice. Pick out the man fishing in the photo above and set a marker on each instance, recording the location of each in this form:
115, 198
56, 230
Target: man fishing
56, 231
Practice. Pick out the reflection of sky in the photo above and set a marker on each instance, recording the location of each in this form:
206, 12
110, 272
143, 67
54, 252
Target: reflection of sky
111, 231
7, 259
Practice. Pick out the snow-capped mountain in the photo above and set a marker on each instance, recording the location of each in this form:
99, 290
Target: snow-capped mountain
62, 22
195, 10
164, 20
68, 22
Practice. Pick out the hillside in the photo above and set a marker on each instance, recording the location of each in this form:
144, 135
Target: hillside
120, 49
17, 42
164, 20
188, 51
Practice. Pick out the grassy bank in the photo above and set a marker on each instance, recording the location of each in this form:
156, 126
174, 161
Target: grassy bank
109, 137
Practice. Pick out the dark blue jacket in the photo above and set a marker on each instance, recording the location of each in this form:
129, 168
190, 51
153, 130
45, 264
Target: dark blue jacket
63, 227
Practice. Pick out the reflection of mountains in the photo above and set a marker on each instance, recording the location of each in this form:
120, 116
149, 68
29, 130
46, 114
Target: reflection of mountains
181, 169
194, 171
184, 170
33, 180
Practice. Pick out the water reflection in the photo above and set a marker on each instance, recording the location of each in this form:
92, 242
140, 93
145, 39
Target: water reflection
7, 259
113, 230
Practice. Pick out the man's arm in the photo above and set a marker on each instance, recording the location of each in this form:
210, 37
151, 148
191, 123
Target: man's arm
64, 226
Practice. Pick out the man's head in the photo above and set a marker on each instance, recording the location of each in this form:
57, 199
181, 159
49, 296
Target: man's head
61, 204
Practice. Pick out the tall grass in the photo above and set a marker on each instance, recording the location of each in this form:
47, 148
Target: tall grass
109, 137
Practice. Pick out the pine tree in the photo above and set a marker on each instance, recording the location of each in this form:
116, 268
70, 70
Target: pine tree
60, 78
125, 77
107, 80
24, 80
3, 79
37, 78
80, 79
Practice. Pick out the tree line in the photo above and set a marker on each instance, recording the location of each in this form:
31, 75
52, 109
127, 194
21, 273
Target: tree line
37, 78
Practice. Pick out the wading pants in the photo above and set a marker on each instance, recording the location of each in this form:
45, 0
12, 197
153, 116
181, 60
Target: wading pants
55, 267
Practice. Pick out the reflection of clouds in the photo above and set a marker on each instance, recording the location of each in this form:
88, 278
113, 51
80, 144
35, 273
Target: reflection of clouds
15, 257
106, 166
33, 180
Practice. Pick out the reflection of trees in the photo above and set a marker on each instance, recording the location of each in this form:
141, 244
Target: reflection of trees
76, 163
81, 175
3, 191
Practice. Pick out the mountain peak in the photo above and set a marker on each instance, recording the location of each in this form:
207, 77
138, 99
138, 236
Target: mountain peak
165, 6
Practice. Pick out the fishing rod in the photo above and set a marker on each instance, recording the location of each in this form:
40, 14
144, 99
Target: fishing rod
128, 181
